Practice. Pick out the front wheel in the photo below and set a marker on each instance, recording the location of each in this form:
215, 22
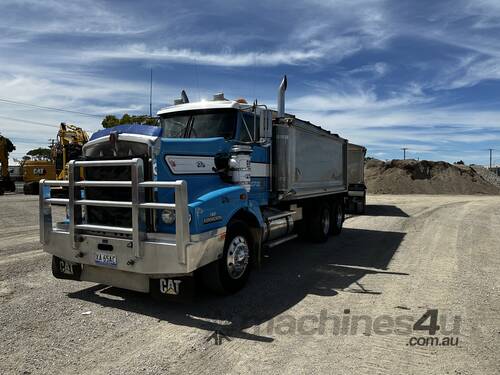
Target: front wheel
230, 273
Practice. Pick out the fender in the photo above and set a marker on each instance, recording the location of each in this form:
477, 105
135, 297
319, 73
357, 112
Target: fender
217, 208
214, 209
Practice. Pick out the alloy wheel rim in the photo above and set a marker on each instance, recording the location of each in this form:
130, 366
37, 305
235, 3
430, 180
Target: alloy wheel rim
238, 254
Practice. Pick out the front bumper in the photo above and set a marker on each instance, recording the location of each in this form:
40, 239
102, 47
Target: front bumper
159, 257
132, 255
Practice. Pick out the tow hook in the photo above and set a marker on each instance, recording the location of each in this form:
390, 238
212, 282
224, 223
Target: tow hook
79, 255
131, 262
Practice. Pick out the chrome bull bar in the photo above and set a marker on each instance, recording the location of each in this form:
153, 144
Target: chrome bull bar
137, 204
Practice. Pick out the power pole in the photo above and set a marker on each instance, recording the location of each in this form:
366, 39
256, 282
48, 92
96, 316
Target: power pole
491, 156
151, 93
404, 152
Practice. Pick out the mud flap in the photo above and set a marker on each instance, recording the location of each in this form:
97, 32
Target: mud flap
175, 288
62, 269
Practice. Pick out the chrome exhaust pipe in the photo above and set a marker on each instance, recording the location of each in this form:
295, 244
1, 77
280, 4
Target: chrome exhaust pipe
281, 97
184, 97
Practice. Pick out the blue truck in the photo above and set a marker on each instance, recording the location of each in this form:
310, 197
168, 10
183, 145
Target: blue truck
201, 194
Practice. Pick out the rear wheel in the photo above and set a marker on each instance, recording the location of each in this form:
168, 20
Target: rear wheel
337, 218
361, 205
230, 273
319, 221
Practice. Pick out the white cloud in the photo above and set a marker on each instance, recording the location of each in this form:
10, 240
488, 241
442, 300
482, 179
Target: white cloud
69, 17
225, 58
378, 69
474, 71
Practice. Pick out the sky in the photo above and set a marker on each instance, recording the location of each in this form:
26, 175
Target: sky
424, 75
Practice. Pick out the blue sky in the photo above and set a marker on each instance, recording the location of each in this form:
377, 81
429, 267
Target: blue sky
386, 74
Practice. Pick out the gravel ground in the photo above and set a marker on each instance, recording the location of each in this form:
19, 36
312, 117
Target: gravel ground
408, 254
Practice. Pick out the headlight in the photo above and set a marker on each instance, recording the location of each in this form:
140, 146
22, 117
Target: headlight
168, 216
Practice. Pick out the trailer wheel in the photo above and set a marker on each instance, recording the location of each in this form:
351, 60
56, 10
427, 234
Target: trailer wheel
319, 222
230, 273
361, 206
337, 218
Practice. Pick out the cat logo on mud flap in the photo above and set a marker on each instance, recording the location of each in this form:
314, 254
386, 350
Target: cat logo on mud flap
169, 286
65, 267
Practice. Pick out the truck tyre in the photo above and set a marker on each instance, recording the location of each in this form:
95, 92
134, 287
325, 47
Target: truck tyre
319, 222
337, 218
361, 206
230, 273
1, 190
12, 186
31, 188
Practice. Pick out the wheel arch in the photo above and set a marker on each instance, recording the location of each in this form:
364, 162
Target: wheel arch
254, 222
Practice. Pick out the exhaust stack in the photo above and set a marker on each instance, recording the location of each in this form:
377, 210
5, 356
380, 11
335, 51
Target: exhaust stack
281, 97
183, 99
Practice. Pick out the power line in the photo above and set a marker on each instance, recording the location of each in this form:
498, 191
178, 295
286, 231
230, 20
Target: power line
29, 121
13, 102
491, 155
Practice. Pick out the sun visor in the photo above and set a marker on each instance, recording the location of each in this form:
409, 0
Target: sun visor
148, 130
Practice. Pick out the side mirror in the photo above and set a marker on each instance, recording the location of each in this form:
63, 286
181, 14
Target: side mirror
221, 161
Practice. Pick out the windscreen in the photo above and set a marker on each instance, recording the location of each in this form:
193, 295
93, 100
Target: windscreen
199, 124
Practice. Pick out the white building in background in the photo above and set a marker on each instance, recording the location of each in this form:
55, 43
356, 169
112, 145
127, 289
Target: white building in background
15, 171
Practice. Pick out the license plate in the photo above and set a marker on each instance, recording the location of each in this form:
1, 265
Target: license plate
105, 259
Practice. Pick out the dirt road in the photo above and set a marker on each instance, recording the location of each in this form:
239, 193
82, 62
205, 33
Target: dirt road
344, 307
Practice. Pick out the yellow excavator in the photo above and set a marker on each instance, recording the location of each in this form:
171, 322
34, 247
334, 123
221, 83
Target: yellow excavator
6, 147
70, 140
34, 171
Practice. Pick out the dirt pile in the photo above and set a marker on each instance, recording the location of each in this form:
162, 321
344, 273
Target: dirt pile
424, 177
488, 175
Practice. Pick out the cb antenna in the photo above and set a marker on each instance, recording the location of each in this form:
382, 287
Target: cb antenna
151, 93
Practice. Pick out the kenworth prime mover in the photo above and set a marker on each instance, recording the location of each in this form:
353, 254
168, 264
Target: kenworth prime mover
201, 194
